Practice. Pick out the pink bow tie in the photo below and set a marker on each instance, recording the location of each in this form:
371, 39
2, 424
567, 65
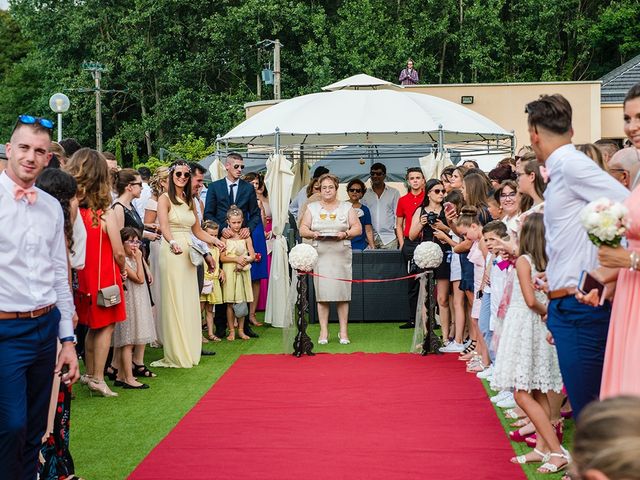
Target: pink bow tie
29, 193
504, 264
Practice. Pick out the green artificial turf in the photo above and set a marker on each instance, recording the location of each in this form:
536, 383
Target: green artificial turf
110, 436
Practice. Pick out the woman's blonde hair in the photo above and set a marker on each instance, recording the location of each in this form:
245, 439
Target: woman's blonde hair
594, 153
329, 176
160, 175
89, 168
607, 438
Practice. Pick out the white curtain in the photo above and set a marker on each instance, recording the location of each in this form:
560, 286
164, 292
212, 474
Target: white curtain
433, 165
279, 181
301, 177
217, 170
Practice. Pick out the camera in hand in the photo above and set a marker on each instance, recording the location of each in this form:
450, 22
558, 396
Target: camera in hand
432, 217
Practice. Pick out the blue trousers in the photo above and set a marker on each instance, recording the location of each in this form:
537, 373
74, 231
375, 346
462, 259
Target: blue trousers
27, 361
484, 321
580, 334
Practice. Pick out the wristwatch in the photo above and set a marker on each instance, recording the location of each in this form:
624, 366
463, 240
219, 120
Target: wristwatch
72, 338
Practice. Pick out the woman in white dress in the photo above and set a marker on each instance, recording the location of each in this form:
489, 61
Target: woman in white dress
330, 224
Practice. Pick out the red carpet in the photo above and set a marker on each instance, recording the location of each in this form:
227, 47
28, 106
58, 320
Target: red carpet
359, 416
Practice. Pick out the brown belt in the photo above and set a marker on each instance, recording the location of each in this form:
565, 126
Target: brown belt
36, 313
561, 293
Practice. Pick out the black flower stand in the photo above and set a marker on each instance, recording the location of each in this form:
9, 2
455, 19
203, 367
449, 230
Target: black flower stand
302, 343
431, 342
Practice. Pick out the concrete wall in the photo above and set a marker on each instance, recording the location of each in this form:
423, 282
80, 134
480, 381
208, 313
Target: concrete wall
504, 104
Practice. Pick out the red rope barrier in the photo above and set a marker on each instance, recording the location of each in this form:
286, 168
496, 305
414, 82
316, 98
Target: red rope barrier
364, 280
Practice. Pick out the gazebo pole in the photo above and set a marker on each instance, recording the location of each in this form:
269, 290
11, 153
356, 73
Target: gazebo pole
513, 146
440, 139
276, 141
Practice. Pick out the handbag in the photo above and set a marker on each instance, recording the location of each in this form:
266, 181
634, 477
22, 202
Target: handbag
196, 254
240, 309
207, 287
107, 296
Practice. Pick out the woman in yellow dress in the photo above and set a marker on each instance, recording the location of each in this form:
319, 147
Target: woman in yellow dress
236, 263
181, 319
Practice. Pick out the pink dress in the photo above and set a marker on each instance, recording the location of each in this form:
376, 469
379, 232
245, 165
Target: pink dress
264, 283
622, 358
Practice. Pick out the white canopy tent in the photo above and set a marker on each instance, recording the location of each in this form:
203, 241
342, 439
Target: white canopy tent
360, 117
360, 110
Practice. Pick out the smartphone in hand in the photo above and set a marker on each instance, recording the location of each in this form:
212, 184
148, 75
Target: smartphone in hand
449, 207
588, 282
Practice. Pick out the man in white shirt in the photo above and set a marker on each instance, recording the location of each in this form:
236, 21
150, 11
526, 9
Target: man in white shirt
579, 331
36, 305
301, 197
382, 201
140, 203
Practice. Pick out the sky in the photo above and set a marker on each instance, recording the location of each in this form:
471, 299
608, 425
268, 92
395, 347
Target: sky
4, 4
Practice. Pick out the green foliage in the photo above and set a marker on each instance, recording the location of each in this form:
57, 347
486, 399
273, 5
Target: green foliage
118, 153
191, 148
180, 67
152, 163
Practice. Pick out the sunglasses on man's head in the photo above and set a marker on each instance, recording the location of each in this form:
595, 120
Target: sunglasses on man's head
355, 190
31, 120
180, 174
236, 166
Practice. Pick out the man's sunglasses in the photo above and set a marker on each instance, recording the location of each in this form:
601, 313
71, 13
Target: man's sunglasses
180, 174
31, 120
355, 190
241, 167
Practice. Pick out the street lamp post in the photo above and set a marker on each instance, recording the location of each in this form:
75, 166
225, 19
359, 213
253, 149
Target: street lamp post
59, 103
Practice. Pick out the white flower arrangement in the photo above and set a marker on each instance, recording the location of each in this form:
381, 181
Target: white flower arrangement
428, 255
303, 257
605, 222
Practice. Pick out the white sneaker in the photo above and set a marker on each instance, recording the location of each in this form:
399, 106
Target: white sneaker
507, 402
453, 347
500, 396
486, 373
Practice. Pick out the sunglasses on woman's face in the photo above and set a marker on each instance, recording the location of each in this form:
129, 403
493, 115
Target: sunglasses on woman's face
180, 174
436, 191
355, 190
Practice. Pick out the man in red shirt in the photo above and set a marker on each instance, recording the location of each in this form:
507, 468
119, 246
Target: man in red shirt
406, 207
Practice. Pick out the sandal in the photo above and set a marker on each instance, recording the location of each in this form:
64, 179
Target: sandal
521, 422
470, 348
213, 338
142, 371
522, 459
254, 321
513, 415
548, 467
110, 372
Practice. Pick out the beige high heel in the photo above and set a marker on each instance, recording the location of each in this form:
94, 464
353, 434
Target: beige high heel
101, 387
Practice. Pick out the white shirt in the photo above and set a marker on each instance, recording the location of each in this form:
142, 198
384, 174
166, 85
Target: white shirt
78, 257
140, 203
498, 279
574, 181
195, 240
298, 202
235, 189
33, 256
383, 212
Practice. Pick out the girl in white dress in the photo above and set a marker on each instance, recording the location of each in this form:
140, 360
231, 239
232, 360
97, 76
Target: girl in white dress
525, 361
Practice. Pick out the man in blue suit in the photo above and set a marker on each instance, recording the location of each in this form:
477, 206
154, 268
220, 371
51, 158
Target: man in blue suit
220, 196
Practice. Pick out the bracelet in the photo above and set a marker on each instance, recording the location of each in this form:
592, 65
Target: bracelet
172, 242
634, 262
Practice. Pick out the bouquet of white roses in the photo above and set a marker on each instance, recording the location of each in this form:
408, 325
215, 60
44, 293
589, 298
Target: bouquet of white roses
605, 222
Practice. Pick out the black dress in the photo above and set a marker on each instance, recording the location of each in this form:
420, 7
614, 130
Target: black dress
443, 272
